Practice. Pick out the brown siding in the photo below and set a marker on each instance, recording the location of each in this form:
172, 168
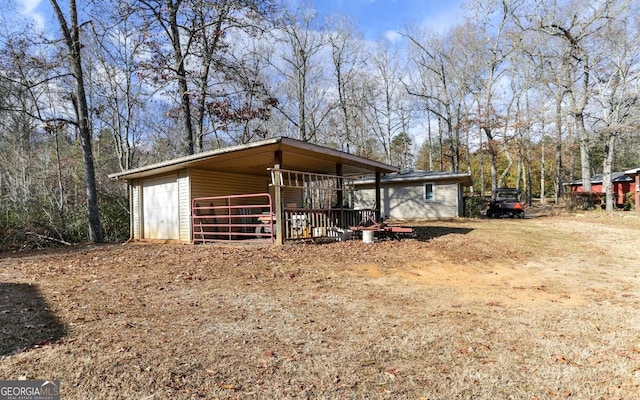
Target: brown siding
135, 208
292, 196
184, 206
210, 183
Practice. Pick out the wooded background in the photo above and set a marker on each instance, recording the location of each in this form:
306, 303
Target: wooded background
521, 93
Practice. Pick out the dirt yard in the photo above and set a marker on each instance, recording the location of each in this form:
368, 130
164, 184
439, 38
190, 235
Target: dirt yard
542, 308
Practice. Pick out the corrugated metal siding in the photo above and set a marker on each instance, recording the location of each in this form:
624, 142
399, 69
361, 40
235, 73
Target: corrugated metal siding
184, 206
406, 201
135, 208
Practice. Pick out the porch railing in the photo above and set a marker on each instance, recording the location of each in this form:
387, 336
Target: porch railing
237, 217
304, 223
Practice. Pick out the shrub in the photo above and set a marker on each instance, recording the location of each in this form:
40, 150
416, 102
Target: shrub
474, 206
582, 200
629, 201
114, 217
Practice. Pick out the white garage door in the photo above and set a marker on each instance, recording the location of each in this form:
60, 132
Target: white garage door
160, 208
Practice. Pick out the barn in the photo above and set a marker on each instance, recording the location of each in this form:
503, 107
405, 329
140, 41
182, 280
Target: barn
415, 194
272, 190
635, 175
622, 184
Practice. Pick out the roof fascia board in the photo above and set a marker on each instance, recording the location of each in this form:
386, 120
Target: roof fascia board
183, 162
357, 160
459, 177
186, 161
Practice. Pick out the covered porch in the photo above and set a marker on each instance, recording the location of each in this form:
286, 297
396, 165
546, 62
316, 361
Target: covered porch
274, 190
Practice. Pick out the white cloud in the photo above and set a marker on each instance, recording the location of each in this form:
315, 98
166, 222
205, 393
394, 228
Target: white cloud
27, 8
443, 22
392, 36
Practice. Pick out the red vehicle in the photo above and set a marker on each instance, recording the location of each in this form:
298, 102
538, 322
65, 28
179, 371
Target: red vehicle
505, 202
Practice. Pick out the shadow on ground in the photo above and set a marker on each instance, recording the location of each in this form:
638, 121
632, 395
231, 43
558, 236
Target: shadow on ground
426, 233
26, 319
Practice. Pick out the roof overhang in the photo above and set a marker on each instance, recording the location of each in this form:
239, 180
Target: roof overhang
634, 171
616, 177
255, 158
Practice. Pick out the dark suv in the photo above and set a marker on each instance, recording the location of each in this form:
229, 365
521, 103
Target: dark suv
505, 202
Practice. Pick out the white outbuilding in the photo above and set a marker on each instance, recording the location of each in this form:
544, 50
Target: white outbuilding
415, 194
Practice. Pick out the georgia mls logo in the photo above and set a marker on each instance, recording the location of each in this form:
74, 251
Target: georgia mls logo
30, 390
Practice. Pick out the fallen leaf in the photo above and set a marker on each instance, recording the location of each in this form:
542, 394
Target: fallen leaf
560, 359
228, 387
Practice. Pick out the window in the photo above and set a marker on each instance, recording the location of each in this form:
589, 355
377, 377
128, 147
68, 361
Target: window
428, 192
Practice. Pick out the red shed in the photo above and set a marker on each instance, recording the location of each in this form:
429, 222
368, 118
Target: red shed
635, 175
622, 184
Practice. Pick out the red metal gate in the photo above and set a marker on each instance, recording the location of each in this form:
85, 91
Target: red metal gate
236, 217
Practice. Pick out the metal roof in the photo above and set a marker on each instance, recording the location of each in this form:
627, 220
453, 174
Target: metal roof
616, 177
411, 175
254, 159
633, 171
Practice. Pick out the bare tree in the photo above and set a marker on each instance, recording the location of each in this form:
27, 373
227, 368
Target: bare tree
299, 66
488, 49
196, 32
574, 23
347, 58
388, 110
119, 95
440, 85
71, 35
246, 104
616, 91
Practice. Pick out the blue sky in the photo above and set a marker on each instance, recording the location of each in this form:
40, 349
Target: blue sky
375, 18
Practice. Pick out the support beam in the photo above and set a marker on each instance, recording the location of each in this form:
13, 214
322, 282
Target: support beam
278, 198
637, 189
340, 194
378, 208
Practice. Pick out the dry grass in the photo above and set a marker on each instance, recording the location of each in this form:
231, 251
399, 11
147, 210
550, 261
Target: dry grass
541, 308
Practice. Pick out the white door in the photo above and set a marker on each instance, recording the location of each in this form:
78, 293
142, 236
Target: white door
160, 208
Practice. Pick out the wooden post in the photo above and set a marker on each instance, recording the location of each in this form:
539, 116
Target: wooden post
131, 205
340, 195
637, 189
378, 208
279, 211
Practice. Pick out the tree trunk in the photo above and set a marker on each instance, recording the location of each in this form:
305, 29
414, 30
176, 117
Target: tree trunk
71, 32
609, 148
61, 208
181, 74
529, 179
481, 162
505, 171
302, 123
430, 141
543, 166
572, 147
585, 159
559, 145
494, 170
